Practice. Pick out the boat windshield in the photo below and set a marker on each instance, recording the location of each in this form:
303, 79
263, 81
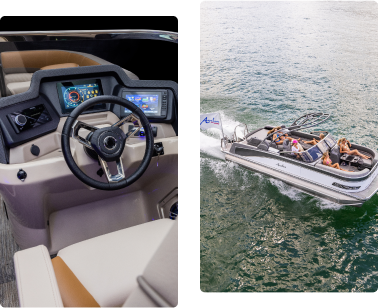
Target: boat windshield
323, 146
330, 141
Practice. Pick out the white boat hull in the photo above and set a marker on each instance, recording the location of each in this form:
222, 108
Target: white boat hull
309, 181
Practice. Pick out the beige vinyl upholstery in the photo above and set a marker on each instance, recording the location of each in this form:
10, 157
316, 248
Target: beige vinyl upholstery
105, 271
36, 282
19, 66
62, 65
108, 265
18, 87
17, 83
161, 274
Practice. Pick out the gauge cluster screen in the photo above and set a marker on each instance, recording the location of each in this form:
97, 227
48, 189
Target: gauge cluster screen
149, 102
73, 93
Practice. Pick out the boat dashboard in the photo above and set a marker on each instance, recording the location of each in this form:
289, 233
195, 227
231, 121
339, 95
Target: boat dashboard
54, 94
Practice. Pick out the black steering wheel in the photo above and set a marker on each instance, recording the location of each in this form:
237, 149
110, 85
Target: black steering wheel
108, 142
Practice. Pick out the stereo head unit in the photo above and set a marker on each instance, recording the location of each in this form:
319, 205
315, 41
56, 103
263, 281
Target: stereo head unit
29, 118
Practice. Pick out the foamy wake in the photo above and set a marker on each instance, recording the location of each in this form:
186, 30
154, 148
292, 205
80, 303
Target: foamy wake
210, 145
297, 195
210, 139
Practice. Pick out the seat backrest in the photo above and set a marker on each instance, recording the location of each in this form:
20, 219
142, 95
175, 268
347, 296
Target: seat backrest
335, 154
254, 141
286, 145
264, 145
158, 286
29, 61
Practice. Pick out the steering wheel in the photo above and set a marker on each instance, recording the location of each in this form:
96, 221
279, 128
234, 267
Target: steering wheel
108, 142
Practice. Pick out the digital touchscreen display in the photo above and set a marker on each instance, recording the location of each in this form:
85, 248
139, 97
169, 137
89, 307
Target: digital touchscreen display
149, 102
73, 93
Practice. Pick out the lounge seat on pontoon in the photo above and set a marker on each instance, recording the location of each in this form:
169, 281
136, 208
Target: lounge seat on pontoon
135, 267
19, 66
355, 174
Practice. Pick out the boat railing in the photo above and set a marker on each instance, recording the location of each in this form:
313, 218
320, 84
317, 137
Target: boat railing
224, 142
245, 129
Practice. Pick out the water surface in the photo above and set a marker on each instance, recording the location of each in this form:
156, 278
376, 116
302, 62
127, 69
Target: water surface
269, 63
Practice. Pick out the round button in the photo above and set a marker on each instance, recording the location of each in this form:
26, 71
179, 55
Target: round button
20, 120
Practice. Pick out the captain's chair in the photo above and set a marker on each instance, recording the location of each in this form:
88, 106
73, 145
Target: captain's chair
335, 155
134, 267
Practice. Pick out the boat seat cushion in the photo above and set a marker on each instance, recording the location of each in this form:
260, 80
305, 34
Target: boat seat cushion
107, 266
17, 83
61, 65
17, 87
355, 174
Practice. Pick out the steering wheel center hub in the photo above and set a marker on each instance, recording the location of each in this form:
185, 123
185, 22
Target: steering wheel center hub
110, 142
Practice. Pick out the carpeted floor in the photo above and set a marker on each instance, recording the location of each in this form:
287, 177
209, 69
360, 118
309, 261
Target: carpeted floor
8, 288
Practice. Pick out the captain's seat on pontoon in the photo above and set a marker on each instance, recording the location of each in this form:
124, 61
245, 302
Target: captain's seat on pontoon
133, 267
19, 66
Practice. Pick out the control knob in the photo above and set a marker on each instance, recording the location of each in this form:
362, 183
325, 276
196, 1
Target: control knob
20, 120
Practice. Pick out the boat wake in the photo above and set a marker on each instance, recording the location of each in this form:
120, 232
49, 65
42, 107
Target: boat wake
210, 139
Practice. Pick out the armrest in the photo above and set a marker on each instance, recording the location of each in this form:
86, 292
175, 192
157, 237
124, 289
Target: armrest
36, 281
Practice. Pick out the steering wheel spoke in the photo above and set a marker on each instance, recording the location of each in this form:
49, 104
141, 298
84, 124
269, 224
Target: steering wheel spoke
130, 118
75, 133
110, 177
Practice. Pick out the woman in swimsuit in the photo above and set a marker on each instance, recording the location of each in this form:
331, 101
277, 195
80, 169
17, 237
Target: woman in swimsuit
273, 130
344, 148
296, 148
328, 162
279, 138
314, 141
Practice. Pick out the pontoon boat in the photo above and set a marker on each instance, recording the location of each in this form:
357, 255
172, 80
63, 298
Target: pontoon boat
257, 151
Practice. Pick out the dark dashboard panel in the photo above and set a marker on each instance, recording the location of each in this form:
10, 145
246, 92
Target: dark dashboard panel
47, 96
14, 135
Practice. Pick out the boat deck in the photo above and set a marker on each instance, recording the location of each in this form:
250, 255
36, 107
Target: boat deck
261, 134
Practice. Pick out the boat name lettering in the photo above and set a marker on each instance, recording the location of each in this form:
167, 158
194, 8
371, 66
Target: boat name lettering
281, 165
345, 187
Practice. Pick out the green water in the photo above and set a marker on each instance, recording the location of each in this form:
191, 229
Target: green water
269, 63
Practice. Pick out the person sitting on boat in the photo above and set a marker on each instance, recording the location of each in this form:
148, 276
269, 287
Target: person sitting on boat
328, 162
344, 148
273, 130
279, 138
314, 141
296, 148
